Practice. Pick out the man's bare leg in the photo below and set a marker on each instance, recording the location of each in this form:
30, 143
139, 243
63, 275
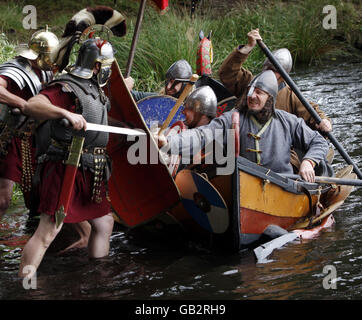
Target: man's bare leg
84, 230
36, 247
6, 191
100, 236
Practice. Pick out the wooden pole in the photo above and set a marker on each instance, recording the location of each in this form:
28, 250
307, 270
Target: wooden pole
141, 11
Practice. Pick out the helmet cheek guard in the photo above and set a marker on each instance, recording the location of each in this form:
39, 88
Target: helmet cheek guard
44, 62
103, 75
106, 59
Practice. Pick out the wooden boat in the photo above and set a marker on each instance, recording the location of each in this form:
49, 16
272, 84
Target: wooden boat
257, 201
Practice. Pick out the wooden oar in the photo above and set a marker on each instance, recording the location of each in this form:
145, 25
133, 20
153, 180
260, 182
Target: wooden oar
178, 103
329, 180
310, 109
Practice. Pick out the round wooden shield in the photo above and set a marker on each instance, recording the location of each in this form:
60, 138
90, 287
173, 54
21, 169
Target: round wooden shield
155, 109
202, 201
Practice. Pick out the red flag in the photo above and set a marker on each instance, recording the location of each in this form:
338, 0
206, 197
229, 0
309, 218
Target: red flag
161, 4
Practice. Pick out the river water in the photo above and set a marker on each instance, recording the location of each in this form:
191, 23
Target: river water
141, 267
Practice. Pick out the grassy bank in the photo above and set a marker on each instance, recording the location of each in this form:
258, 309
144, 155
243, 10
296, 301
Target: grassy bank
165, 38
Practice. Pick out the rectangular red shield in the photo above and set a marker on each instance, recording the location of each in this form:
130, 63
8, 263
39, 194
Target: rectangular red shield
138, 192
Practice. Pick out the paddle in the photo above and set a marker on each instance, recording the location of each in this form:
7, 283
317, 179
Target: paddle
310, 109
178, 103
330, 180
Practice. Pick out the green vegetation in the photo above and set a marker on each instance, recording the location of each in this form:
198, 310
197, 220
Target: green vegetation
17, 194
296, 25
7, 49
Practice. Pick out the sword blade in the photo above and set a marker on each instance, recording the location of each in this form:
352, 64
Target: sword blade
112, 129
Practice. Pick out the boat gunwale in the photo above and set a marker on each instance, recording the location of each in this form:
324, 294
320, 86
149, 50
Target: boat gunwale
287, 184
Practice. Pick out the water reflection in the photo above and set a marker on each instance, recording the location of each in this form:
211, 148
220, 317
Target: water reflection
173, 268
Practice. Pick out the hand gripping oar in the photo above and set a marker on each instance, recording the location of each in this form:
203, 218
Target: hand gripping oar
178, 103
314, 114
71, 165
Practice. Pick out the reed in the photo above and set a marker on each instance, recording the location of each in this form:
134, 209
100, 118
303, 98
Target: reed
7, 49
292, 24
166, 38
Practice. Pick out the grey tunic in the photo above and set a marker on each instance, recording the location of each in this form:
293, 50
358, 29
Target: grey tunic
284, 131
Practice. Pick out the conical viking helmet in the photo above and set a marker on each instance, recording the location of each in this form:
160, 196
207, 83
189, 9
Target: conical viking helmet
267, 82
180, 69
40, 48
284, 58
202, 100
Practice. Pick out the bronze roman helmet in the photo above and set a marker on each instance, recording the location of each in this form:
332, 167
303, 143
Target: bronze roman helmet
40, 48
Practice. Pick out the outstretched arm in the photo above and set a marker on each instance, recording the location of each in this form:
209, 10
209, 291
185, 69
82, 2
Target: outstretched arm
40, 107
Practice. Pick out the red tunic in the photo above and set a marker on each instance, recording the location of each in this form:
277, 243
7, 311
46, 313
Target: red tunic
11, 164
81, 206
